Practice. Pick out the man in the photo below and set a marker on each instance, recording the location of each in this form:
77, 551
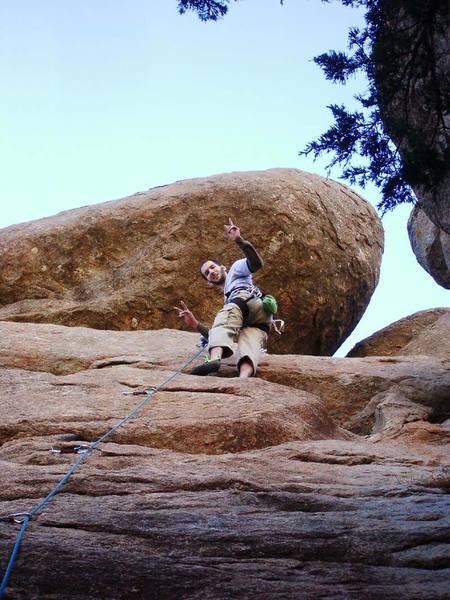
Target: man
242, 316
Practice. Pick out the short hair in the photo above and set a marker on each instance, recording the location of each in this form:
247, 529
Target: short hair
214, 260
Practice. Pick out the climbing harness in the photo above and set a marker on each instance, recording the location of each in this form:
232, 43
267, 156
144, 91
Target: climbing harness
270, 306
84, 451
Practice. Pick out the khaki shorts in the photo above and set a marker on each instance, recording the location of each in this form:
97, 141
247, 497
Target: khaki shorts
229, 328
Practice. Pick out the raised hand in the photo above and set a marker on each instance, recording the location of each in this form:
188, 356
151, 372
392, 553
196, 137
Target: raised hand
233, 231
187, 315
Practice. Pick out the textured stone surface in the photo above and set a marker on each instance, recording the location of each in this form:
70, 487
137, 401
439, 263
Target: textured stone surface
352, 389
55, 349
431, 245
424, 333
222, 488
345, 386
192, 414
335, 520
123, 264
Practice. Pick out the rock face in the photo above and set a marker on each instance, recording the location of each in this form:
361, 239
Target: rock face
123, 265
221, 488
431, 246
424, 333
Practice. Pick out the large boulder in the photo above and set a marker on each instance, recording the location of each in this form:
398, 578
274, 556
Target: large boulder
218, 487
426, 332
124, 264
431, 245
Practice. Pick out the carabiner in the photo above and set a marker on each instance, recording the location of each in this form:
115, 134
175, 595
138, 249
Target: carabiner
14, 517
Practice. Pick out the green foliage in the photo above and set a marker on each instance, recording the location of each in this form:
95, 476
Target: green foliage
407, 98
207, 10
358, 140
360, 134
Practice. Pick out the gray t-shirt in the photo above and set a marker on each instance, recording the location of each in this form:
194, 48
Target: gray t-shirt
239, 276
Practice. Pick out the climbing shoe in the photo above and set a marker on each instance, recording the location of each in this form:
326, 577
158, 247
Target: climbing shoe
210, 366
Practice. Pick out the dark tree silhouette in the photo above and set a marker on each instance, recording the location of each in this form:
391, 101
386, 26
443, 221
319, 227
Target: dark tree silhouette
407, 100
207, 10
399, 138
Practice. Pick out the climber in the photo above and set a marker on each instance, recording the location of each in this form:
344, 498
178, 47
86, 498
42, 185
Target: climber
243, 315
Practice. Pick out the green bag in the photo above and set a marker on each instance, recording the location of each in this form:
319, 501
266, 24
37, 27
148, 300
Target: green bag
270, 305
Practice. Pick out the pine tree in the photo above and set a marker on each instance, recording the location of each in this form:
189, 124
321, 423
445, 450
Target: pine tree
399, 138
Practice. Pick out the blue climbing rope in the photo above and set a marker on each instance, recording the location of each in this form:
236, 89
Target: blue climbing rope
37, 508
14, 553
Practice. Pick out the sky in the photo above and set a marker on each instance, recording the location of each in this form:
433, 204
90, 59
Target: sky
101, 99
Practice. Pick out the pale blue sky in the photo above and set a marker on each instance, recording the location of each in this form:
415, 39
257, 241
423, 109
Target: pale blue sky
101, 100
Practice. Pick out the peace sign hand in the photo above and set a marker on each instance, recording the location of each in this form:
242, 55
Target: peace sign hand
187, 315
233, 231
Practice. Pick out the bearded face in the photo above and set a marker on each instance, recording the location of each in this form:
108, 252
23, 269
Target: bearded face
213, 272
